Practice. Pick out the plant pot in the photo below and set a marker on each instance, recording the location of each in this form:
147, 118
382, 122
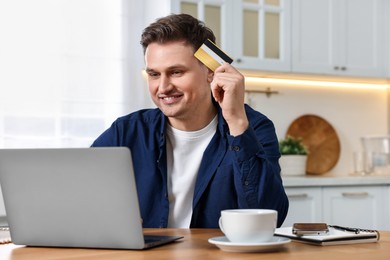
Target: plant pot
293, 165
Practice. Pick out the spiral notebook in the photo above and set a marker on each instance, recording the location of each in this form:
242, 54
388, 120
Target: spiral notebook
334, 237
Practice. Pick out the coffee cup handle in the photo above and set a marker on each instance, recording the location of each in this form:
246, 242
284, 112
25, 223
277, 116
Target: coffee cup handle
220, 224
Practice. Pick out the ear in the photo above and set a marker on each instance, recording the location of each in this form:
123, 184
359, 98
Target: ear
210, 75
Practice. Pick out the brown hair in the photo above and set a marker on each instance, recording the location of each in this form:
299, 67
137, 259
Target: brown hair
176, 27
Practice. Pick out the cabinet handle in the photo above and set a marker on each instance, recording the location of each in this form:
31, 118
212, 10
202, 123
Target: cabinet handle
238, 60
297, 196
343, 68
355, 194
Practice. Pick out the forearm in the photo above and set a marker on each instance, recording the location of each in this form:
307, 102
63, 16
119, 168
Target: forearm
257, 174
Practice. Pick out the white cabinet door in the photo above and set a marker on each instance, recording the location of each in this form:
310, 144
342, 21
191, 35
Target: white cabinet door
255, 33
386, 49
363, 44
305, 205
363, 207
338, 37
386, 218
217, 14
261, 35
2, 208
312, 36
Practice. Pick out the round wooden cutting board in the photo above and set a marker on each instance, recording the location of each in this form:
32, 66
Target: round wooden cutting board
321, 140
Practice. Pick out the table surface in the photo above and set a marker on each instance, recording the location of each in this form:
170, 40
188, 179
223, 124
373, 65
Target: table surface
195, 245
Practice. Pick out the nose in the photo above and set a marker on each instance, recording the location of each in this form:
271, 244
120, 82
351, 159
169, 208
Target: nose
164, 84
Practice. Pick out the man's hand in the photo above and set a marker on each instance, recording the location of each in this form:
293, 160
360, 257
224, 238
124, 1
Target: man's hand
228, 89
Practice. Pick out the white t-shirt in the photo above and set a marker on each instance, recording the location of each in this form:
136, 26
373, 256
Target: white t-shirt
184, 155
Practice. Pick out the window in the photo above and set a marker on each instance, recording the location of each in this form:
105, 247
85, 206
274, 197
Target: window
68, 69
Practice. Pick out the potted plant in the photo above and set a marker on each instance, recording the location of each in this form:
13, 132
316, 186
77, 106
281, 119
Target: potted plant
293, 156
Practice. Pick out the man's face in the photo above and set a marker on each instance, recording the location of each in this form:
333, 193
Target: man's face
178, 82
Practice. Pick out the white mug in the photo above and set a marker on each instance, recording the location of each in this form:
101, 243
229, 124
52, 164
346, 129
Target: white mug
248, 225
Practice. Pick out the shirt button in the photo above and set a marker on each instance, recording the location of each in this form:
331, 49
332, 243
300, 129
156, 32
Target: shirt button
235, 148
246, 183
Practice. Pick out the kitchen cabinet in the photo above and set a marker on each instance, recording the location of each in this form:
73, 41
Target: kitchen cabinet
2, 209
387, 36
338, 37
215, 14
387, 209
305, 205
355, 206
255, 33
348, 201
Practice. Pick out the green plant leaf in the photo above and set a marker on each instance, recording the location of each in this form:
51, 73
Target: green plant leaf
292, 145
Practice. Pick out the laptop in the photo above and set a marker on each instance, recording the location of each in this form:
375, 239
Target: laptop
73, 197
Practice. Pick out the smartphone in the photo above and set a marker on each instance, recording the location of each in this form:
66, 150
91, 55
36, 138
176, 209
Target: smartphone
310, 229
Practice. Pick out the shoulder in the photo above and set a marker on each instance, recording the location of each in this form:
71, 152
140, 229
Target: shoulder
127, 129
144, 116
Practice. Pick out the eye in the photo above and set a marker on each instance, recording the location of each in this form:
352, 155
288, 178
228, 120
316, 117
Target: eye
153, 74
177, 73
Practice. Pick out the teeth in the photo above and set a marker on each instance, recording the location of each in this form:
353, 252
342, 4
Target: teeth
168, 98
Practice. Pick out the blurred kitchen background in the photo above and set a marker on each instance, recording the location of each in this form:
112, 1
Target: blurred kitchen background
68, 68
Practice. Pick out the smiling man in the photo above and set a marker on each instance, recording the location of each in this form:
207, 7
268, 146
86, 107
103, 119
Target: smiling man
202, 149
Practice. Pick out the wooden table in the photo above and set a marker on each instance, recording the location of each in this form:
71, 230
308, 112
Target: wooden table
195, 246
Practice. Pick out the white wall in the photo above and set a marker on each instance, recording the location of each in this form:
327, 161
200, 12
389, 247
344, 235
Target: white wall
352, 112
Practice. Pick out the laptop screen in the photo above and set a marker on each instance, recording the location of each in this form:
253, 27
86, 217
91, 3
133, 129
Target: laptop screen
74, 197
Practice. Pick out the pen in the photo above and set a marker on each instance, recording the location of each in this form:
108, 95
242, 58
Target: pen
354, 230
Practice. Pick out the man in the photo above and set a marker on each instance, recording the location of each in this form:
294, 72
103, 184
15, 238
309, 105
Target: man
202, 149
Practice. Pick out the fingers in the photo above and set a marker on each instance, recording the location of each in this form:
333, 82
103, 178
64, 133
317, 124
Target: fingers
227, 80
226, 67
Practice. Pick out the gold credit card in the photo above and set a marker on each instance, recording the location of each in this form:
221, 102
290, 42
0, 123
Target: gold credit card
212, 56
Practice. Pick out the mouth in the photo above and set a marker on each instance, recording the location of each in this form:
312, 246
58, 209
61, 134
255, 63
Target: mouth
171, 99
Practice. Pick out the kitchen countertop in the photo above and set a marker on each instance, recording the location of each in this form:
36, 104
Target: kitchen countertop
335, 180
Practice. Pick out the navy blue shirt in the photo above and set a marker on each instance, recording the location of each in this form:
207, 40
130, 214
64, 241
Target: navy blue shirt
235, 172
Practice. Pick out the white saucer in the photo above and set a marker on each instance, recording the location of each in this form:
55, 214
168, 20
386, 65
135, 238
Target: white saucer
224, 244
